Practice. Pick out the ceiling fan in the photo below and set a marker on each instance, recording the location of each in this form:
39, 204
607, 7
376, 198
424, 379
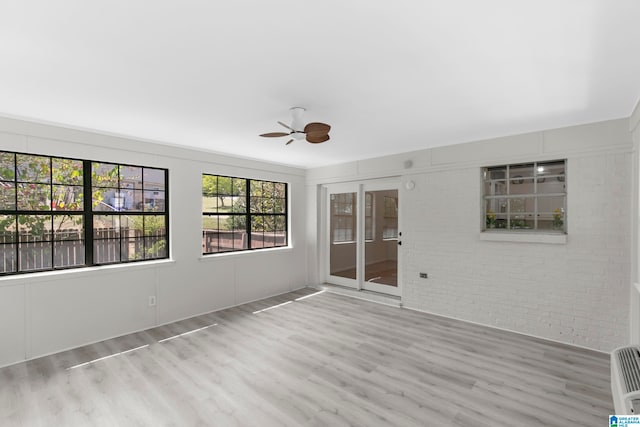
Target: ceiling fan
314, 132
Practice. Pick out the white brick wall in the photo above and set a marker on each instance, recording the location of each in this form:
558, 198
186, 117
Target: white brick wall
576, 292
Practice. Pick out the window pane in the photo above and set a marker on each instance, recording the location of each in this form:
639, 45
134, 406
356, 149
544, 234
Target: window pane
239, 187
494, 173
522, 222
517, 172
550, 185
521, 186
67, 198
280, 190
8, 257
268, 190
256, 204
69, 240
256, 188
132, 249
130, 177
210, 232
239, 200
501, 221
68, 227
106, 251
106, 226
154, 179
104, 175
551, 170
34, 228
210, 198
34, 197
131, 226
67, 171
154, 225
34, 255
551, 213
257, 232
495, 188
281, 223
127, 200
522, 205
33, 168
7, 228
106, 200
7, 166
239, 233
7, 195
279, 206
280, 237
155, 247
225, 185
257, 223
225, 235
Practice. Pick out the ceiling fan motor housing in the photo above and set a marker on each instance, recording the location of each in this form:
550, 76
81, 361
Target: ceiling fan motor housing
296, 122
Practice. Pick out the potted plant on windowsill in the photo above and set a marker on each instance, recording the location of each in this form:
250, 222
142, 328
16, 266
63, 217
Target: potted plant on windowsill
557, 219
491, 219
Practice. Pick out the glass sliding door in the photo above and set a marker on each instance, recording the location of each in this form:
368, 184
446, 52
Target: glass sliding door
381, 241
362, 236
343, 235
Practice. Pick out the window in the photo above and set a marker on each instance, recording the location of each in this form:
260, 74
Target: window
526, 197
129, 214
242, 214
47, 214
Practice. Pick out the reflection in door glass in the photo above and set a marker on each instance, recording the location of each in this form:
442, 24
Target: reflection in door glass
381, 252
342, 226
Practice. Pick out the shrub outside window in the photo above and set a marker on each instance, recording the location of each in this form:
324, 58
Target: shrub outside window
241, 214
525, 197
47, 209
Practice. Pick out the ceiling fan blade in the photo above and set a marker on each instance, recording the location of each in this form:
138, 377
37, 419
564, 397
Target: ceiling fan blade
287, 126
289, 142
274, 134
317, 127
317, 137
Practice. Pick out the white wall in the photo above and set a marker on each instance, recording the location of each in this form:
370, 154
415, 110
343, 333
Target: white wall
47, 312
634, 288
576, 292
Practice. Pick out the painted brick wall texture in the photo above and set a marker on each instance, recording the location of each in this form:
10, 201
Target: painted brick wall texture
576, 292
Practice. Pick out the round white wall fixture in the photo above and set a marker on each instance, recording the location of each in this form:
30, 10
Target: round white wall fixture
409, 185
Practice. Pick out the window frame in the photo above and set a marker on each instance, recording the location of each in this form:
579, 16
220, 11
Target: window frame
247, 216
488, 220
85, 211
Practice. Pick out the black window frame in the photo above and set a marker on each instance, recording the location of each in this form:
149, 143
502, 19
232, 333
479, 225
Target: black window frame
247, 216
86, 211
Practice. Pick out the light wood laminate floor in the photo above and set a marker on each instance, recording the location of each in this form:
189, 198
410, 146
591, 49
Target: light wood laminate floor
325, 360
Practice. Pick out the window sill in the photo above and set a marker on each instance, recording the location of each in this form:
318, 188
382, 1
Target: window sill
522, 237
208, 257
72, 273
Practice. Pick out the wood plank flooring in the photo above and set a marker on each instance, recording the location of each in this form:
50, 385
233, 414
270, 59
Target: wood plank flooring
324, 360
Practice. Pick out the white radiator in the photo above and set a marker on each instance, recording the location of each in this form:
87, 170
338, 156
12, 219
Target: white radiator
625, 380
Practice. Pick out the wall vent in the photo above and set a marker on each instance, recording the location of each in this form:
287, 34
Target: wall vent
625, 380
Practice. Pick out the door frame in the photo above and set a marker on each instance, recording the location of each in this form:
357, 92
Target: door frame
358, 187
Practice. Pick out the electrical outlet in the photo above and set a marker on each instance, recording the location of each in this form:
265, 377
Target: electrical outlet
423, 275
152, 301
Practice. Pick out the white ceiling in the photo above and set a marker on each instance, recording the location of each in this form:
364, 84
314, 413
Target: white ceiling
389, 76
